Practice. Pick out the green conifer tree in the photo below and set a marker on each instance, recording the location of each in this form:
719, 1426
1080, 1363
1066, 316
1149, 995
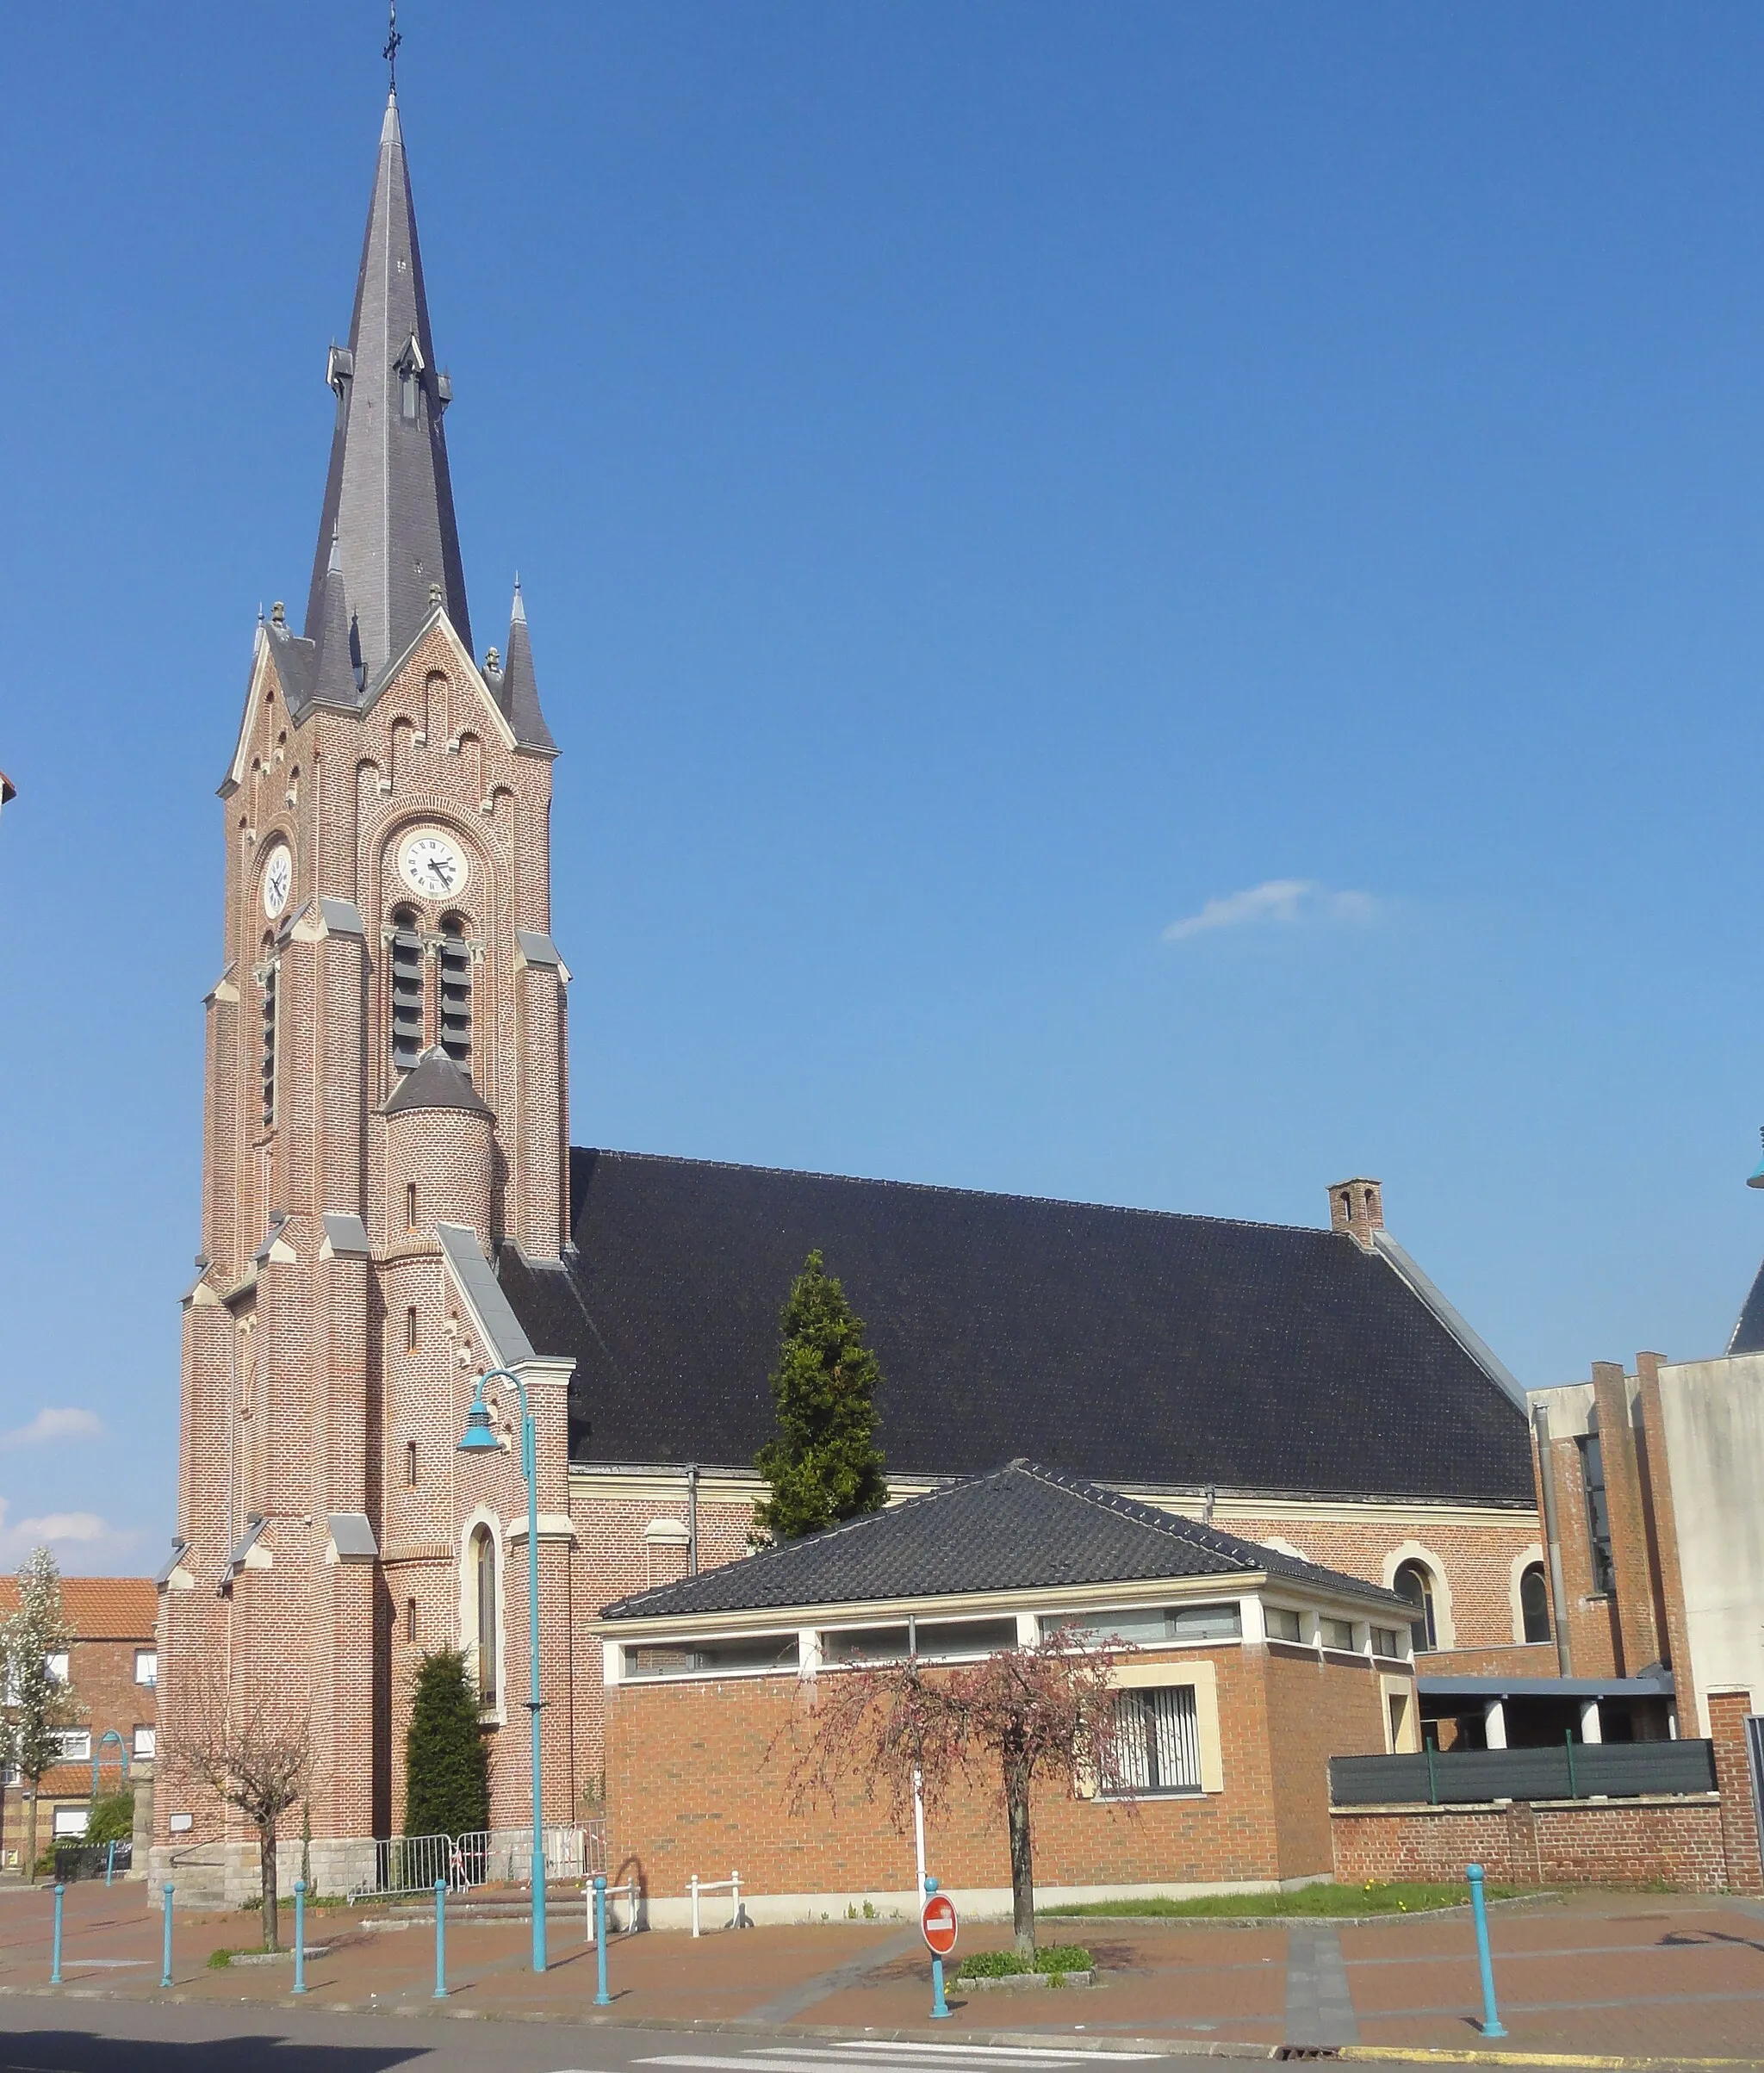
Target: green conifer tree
824, 1465
446, 1763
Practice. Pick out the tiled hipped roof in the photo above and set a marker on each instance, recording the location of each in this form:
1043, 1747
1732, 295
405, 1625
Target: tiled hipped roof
1021, 1528
1121, 1344
99, 1608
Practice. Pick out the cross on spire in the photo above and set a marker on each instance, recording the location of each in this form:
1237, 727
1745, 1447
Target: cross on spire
393, 40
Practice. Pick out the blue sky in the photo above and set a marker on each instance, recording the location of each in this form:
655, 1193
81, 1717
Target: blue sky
1147, 602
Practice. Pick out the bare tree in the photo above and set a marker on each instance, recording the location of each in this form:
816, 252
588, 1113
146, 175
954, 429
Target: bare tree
253, 1749
899, 1729
39, 1699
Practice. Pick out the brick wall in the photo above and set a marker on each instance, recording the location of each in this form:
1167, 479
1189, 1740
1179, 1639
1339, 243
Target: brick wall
696, 1783
1677, 1842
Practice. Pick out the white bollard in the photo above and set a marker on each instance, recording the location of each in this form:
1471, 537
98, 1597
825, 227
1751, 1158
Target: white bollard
695, 1903
735, 1883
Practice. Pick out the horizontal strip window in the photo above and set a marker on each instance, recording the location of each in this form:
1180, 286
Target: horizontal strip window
933, 1640
1139, 1628
1283, 1625
1386, 1640
1336, 1633
744, 1653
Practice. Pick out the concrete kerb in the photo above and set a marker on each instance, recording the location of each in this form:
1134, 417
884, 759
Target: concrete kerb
1066, 2045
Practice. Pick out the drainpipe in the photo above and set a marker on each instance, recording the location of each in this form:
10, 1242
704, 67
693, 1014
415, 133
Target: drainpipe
1558, 1589
691, 1519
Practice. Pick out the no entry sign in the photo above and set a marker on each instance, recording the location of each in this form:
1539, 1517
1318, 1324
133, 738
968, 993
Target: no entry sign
937, 1923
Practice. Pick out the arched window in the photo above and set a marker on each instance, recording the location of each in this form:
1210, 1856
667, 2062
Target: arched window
483, 1577
1414, 1581
407, 990
1534, 1603
456, 994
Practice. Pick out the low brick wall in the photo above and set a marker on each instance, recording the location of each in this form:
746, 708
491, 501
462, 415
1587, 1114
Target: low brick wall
1675, 1841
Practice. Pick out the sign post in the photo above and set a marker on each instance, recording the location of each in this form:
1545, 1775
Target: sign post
937, 1926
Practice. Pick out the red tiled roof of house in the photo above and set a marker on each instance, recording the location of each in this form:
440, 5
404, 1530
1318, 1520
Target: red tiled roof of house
99, 1608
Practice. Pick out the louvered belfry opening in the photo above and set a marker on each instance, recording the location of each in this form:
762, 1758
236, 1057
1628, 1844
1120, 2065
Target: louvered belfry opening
456, 958
268, 1052
407, 990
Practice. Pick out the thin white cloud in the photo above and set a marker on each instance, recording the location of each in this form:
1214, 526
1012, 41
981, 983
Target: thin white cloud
84, 1544
1285, 902
53, 1424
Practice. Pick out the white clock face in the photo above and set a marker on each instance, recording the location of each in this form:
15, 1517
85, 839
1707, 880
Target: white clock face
433, 864
278, 880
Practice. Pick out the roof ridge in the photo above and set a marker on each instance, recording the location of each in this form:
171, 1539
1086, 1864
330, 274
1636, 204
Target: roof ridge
988, 1195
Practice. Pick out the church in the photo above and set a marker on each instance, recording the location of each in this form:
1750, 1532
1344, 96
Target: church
392, 1205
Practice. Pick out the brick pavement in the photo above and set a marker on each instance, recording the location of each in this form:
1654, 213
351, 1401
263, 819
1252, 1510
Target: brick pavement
1671, 1977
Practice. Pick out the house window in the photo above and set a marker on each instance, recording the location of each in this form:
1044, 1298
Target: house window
74, 1745
1337, 1633
410, 1619
455, 962
1386, 1640
1158, 1739
1598, 1514
744, 1652
1534, 1603
55, 1666
407, 990
410, 1205
145, 1738
70, 1821
1283, 1625
1141, 1629
410, 1464
146, 1666
1414, 1581
483, 1577
410, 1323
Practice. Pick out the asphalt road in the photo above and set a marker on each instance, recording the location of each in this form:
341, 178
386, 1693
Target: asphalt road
68, 2036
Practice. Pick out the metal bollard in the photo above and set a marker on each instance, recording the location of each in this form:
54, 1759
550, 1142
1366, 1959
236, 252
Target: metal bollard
602, 1998
440, 1993
300, 1936
1492, 2023
940, 2007
55, 1969
110, 1863
165, 1896
735, 1887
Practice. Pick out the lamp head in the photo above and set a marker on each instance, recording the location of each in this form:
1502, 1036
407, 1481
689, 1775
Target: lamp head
479, 1436
1755, 1179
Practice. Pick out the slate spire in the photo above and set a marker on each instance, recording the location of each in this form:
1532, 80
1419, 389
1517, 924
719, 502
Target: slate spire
389, 500
520, 689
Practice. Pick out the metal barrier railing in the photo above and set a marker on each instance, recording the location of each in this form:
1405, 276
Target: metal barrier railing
1569, 1770
730, 1885
486, 1856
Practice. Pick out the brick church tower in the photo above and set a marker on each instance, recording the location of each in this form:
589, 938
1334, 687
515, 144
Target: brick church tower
385, 1109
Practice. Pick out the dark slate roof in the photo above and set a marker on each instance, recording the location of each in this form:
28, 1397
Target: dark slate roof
1121, 1344
388, 497
1748, 1331
435, 1082
1021, 1528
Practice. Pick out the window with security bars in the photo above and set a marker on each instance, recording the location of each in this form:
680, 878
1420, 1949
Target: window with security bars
406, 990
268, 1067
456, 960
1157, 1740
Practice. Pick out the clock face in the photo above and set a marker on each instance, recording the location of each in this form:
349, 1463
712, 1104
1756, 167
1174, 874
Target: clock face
278, 879
432, 864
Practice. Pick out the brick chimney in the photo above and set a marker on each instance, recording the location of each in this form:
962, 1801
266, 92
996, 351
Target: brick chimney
1356, 1206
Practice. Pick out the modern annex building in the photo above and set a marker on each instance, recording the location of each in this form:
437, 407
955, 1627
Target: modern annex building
391, 1206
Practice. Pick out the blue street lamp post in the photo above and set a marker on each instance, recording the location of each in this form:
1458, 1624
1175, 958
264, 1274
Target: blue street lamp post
480, 1437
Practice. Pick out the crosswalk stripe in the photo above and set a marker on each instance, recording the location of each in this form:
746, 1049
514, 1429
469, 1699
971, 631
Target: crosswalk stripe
1000, 2052
884, 2054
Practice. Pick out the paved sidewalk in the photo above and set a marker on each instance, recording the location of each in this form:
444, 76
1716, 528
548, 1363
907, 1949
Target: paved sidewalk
1641, 1976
